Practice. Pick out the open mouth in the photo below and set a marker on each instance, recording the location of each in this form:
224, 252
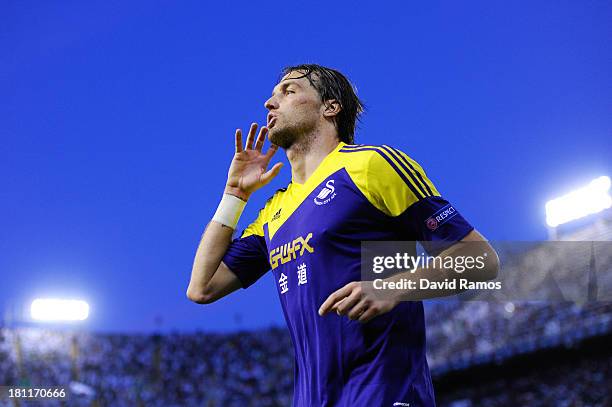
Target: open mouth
271, 122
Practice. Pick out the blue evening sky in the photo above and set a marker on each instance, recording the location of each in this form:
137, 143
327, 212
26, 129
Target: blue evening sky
118, 118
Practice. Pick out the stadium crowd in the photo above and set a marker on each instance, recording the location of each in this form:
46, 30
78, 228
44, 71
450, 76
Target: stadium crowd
255, 368
582, 383
244, 368
481, 331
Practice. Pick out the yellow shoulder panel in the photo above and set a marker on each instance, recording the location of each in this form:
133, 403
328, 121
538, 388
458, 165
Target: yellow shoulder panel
268, 212
387, 177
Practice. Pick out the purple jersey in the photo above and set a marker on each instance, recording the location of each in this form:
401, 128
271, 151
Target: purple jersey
310, 236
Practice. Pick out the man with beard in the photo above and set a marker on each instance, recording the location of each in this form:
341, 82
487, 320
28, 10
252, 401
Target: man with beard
368, 351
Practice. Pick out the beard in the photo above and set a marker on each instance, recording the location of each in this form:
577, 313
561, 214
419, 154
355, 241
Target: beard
287, 136
283, 137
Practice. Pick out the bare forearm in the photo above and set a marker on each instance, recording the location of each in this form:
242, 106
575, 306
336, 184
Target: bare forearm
364, 300
439, 281
418, 285
210, 278
213, 245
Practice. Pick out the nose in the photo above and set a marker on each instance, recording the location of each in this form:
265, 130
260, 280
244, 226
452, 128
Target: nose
271, 103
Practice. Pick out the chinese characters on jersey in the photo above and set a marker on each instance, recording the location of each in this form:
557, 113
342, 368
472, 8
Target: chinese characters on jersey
302, 276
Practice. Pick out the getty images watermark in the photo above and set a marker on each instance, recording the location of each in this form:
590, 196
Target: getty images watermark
424, 264
551, 271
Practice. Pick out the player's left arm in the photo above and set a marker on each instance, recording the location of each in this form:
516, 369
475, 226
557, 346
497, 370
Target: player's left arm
399, 187
358, 300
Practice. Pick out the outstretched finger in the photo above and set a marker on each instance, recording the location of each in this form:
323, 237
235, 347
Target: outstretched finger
271, 151
271, 173
261, 138
251, 136
333, 298
238, 140
347, 304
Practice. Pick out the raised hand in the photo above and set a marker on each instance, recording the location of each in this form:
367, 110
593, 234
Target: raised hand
247, 171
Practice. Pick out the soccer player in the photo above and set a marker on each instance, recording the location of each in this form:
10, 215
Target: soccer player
352, 348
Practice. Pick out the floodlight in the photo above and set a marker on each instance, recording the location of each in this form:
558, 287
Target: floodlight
593, 198
50, 309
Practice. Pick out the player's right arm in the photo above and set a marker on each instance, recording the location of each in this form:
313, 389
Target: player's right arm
211, 278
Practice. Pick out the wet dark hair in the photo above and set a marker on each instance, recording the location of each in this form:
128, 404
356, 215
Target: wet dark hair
331, 84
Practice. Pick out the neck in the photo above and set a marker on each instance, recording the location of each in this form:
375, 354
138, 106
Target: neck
306, 155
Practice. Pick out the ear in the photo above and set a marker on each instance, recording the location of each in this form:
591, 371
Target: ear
331, 108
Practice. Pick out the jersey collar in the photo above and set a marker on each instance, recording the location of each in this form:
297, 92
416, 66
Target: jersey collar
321, 165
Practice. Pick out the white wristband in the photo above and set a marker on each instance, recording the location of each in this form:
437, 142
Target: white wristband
229, 210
